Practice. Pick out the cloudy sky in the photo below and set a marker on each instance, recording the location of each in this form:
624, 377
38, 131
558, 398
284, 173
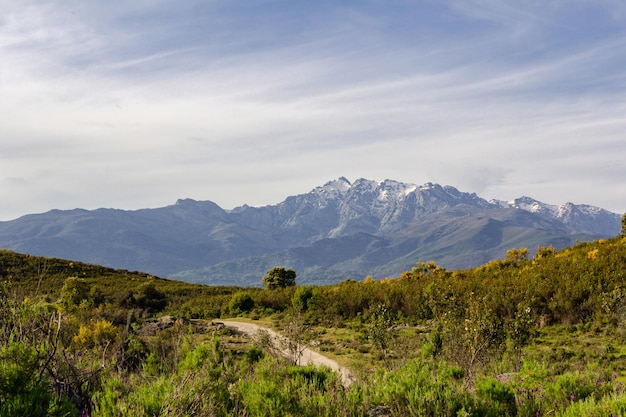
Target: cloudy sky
133, 104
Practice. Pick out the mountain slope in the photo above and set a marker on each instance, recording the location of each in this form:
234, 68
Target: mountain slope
335, 231
455, 242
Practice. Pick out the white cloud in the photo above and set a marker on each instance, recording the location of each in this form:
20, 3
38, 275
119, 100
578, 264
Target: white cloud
153, 102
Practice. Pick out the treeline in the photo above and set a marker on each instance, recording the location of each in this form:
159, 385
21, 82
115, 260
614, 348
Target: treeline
502, 339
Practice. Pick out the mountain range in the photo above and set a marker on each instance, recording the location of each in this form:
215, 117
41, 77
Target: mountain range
339, 230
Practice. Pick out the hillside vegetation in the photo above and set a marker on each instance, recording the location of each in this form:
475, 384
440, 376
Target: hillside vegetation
540, 336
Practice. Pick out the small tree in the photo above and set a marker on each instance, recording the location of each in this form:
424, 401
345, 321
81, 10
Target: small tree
298, 334
279, 277
623, 231
482, 336
380, 330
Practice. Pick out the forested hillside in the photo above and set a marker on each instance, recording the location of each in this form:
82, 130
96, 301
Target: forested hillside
521, 336
336, 231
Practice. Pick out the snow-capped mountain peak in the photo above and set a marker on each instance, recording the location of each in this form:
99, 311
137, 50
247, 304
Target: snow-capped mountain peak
394, 190
333, 189
533, 206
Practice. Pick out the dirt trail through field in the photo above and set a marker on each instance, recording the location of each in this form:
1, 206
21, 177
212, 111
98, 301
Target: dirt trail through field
308, 356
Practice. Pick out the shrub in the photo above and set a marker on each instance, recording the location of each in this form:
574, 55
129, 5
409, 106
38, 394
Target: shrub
96, 333
495, 399
23, 389
241, 302
150, 298
608, 406
75, 292
420, 389
301, 297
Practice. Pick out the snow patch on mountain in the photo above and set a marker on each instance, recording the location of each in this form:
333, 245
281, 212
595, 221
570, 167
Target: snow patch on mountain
533, 206
394, 190
333, 189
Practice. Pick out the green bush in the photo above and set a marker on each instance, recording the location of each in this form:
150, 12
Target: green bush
495, 399
420, 389
150, 299
608, 406
300, 300
118, 398
293, 391
241, 302
24, 389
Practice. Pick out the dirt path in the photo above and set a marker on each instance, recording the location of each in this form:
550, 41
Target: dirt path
308, 356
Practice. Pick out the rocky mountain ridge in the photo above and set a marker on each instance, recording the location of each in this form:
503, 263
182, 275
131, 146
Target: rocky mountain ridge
339, 230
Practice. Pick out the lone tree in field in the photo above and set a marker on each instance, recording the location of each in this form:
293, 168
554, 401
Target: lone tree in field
623, 231
279, 277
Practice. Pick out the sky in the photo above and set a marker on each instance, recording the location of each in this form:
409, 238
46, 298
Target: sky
136, 104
